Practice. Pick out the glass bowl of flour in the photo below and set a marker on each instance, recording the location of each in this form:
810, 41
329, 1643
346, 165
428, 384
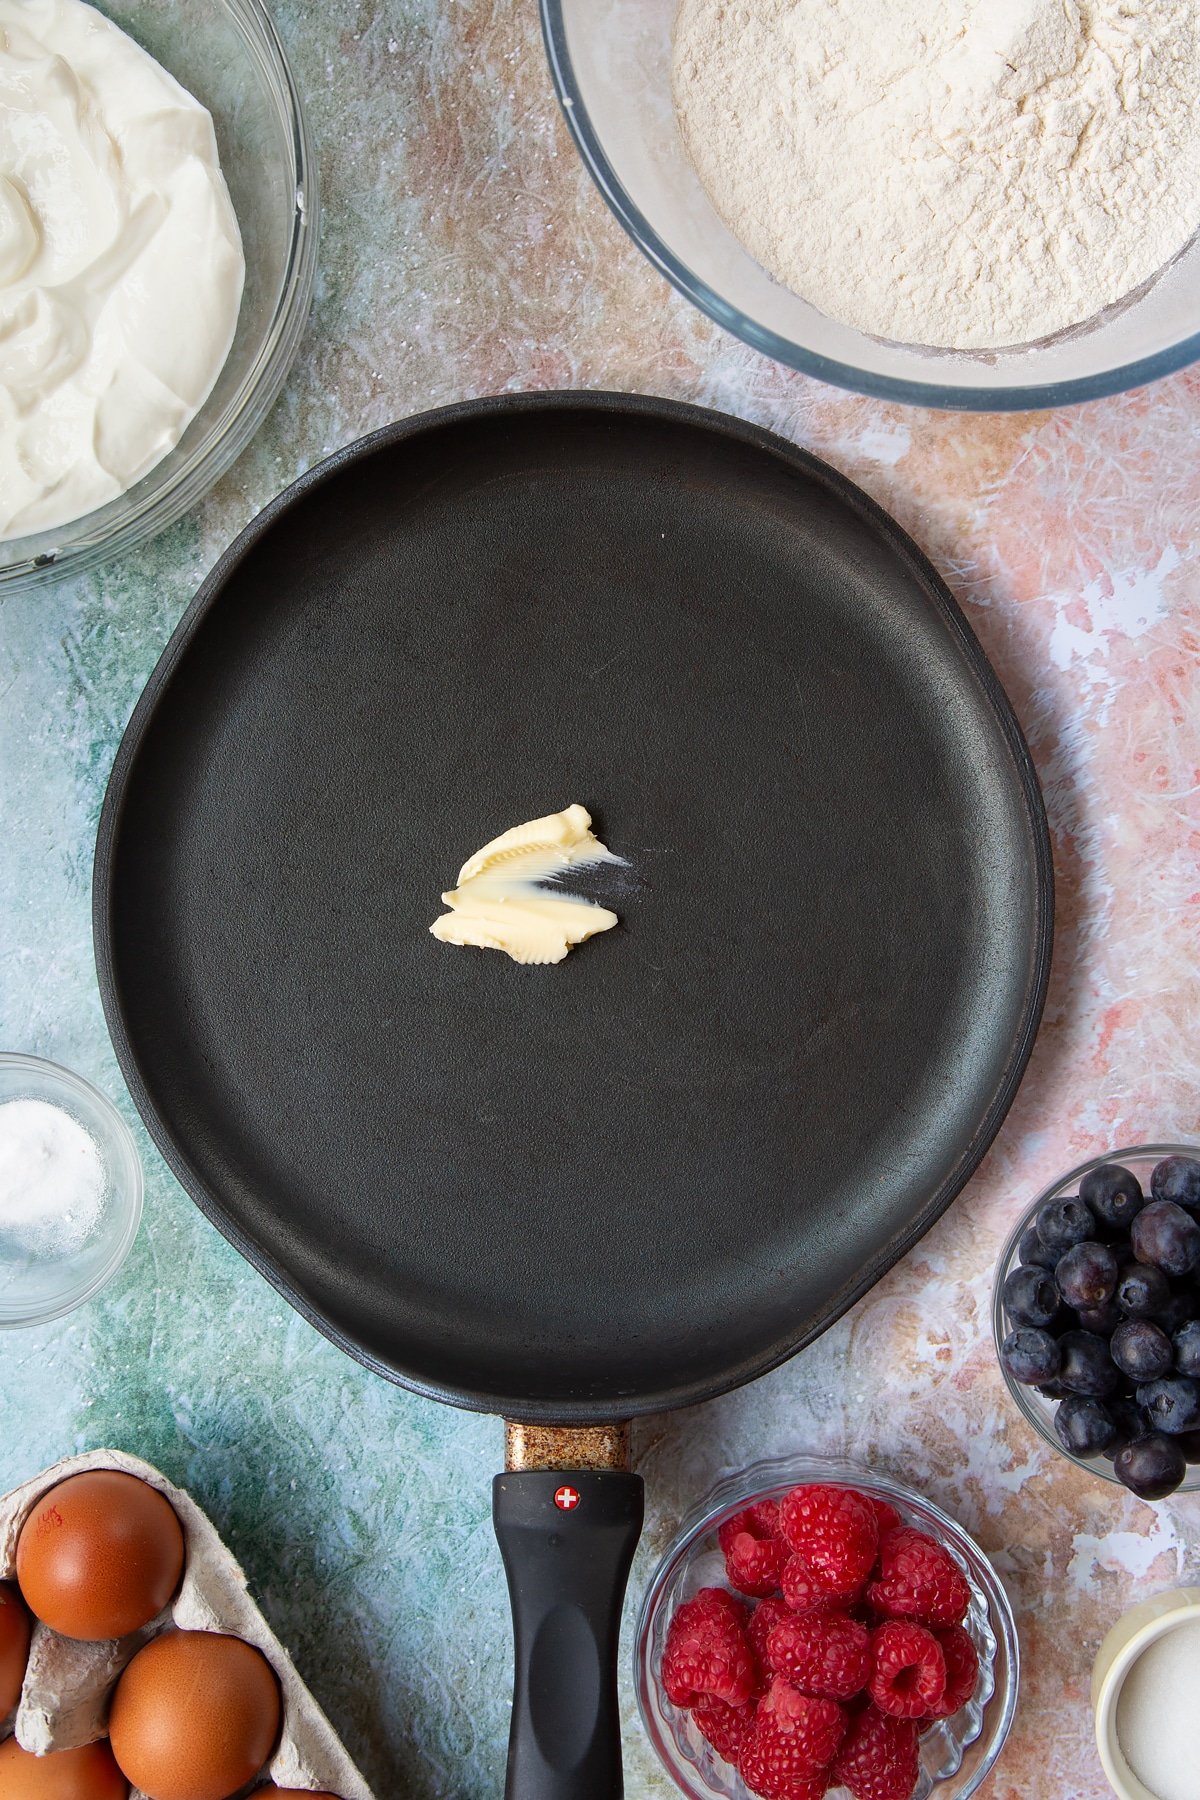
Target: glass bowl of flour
228, 57
980, 206
70, 1191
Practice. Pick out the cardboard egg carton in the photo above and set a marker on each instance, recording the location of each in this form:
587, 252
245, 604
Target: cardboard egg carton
68, 1684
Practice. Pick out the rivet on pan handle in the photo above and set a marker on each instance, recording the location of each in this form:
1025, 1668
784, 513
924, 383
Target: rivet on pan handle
568, 1515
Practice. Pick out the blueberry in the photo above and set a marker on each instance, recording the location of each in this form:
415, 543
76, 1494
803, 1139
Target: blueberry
1187, 1348
1029, 1355
1086, 1275
1173, 1405
1129, 1422
1141, 1350
1030, 1297
1177, 1178
1141, 1290
1032, 1250
1168, 1237
1051, 1390
1151, 1467
1103, 1320
1086, 1366
1114, 1195
1084, 1425
1177, 1309
1189, 1443
1061, 1223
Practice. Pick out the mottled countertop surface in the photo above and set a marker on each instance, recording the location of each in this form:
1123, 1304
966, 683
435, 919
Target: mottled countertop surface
465, 252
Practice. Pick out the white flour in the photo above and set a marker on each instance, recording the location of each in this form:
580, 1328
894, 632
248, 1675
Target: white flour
52, 1180
965, 173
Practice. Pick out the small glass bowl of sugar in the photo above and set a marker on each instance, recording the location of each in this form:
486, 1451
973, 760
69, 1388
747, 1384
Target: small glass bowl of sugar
1144, 1685
70, 1191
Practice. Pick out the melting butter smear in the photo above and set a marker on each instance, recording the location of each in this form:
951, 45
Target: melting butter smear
501, 901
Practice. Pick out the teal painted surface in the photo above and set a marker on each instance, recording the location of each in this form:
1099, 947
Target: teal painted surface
465, 252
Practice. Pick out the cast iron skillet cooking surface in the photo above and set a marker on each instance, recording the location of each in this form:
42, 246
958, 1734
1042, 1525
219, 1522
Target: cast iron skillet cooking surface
656, 1170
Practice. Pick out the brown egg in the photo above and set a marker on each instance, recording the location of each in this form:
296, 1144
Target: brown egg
87, 1774
15, 1627
100, 1555
195, 1716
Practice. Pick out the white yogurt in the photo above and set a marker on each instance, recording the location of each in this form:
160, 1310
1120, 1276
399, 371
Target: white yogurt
121, 266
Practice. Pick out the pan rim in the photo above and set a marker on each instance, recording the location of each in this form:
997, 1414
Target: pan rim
609, 1406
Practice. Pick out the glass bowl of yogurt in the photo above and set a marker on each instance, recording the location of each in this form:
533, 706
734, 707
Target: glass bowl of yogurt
612, 65
137, 365
70, 1191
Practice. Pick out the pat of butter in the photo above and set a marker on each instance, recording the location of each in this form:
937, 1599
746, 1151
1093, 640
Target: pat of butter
501, 902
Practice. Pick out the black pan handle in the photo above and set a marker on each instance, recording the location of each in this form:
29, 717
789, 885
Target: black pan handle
567, 1538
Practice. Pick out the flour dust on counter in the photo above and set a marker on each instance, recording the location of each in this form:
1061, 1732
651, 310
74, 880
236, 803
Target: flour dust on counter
972, 175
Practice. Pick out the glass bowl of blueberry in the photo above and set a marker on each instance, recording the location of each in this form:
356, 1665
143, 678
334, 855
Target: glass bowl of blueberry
817, 1629
1096, 1311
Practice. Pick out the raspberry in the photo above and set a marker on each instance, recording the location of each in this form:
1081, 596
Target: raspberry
726, 1727
962, 1671
775, 1781
708, 1652
879, 1758
763, 1620
886, 1517
812, 1727
763, 1519
836, 1532
909, 1678
804, 1591
794, 1738
754, 1552
720, 1603
822, 1653
918, 1579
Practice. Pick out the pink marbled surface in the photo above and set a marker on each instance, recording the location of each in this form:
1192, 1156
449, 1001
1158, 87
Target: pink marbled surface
464, 252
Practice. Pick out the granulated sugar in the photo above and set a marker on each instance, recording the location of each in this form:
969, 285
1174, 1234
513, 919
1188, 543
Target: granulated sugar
1156, 1714
962, 173
52, 1180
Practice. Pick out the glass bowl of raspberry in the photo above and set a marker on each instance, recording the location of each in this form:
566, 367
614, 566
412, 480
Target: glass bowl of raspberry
1096, 1315
816, 1628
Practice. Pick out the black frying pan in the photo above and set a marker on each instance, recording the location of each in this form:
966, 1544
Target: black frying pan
632, 1181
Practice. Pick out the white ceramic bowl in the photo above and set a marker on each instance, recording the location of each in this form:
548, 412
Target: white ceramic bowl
34, 1290
1133, 1633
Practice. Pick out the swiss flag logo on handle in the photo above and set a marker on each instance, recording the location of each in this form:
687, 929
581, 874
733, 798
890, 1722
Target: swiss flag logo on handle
566, 1499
